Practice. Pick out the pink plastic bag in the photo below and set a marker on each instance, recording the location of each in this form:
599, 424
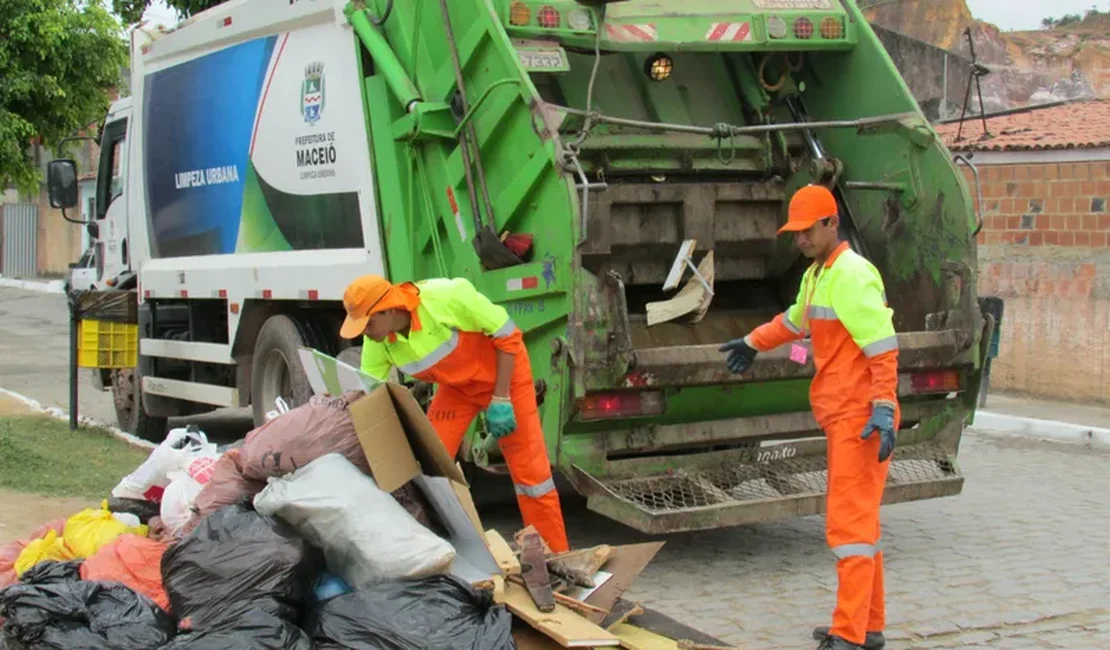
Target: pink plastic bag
9, 552
295, 439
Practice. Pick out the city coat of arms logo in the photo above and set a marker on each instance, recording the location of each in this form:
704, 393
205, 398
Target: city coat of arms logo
312, 92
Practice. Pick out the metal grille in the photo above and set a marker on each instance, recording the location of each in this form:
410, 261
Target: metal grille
19, 234
739, 481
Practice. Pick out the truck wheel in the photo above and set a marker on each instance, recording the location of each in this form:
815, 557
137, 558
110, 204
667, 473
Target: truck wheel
276, 370
128, 398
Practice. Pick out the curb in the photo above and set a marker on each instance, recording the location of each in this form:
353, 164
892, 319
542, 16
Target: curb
1053, 430
60, 414
50, 286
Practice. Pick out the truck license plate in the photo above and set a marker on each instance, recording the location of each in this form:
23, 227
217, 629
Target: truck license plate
546, 59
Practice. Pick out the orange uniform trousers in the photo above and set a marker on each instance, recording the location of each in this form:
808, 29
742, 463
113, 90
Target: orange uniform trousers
453, 409
856, 481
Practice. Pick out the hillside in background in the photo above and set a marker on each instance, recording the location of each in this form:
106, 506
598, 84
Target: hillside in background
1070, 60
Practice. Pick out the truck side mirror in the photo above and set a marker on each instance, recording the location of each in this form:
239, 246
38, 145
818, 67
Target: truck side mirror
61, 180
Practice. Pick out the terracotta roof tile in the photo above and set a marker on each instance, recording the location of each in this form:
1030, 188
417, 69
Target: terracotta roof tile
1076, 125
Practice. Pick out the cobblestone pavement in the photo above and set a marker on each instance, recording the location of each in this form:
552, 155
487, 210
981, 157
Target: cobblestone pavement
1019, 560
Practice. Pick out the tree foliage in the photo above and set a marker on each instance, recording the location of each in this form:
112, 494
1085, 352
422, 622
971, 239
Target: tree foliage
57, 60
131, 11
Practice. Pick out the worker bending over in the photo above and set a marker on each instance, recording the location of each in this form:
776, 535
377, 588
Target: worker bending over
841, 306
443, 331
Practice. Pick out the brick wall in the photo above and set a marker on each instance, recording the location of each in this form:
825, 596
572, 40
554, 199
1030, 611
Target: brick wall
1045, 249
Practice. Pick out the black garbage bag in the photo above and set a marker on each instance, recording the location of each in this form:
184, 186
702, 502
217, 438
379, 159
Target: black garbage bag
65, 614
254, 630
437, 613
141, 508
236, 560
52, 571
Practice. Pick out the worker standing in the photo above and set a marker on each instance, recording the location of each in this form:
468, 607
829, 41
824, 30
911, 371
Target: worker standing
443, 331
841, 306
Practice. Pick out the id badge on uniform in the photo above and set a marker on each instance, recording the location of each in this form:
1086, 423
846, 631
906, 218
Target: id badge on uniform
798, 354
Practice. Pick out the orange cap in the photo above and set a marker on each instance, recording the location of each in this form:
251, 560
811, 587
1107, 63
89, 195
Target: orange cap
809, 205
360, 299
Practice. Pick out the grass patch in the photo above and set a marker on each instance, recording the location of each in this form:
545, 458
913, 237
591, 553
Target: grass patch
40, 455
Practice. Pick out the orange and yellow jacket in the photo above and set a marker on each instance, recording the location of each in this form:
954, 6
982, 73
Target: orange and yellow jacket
841, 305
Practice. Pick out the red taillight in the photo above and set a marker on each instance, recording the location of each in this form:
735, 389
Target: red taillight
803, 28
940, 381
548, 17
832, 28
606, 406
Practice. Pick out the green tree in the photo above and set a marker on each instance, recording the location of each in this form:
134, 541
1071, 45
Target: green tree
131, 11
57, 60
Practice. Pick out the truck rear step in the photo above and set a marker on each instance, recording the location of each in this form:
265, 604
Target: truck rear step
753, 485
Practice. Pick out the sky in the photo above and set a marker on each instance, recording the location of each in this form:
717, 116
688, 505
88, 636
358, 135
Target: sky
1027, 14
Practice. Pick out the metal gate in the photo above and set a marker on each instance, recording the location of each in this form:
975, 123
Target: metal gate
19, 237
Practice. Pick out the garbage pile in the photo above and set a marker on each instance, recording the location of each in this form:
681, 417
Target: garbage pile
338, 524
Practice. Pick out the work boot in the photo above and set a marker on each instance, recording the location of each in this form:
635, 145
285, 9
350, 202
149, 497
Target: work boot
873, 640
836, 643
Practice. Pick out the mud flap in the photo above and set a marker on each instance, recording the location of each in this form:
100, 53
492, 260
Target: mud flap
746, 486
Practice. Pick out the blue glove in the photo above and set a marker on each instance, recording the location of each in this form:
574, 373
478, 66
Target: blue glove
740, 355
882, 419
500, 420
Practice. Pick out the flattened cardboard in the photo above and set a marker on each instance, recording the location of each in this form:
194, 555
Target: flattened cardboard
401, 446
382, 436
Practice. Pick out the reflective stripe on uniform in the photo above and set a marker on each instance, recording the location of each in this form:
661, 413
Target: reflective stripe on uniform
789, 324
821, 313
535, 491
880, 346
505, 330
437, 354
856, 550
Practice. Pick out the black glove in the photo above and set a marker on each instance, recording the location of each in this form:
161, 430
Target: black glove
882, 419
740, 356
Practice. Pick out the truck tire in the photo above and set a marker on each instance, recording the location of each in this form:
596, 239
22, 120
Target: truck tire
127, 394
276, 369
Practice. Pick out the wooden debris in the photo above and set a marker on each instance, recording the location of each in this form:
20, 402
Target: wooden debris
625, 563
562, 624
564, 599
635, 610
533, 568
519, 536
587, 560
693, 297
502, 553
572, 577
635, 638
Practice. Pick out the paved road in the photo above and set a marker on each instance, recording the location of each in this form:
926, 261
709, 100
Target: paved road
1018, 560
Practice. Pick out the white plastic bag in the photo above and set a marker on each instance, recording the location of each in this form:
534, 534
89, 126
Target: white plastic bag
367, 537
180, 449
177, 501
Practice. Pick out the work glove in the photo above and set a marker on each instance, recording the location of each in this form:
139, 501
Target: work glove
882, 420
500, 420
740, 355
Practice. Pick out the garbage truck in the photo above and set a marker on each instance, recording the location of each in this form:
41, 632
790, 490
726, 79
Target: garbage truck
612, 173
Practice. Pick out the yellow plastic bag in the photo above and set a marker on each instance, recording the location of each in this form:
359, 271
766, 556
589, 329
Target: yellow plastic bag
49, 547
90, 529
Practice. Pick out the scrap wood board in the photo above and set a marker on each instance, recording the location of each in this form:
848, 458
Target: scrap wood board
693, 297
563, 625
502, 553
625, 563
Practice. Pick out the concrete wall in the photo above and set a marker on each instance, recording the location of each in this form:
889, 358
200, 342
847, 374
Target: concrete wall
1045, 250
59, 241
923, 67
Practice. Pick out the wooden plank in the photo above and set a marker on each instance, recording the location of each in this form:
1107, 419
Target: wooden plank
634, 638
625, 563
502, 553
533, 571
693, 297
562, 625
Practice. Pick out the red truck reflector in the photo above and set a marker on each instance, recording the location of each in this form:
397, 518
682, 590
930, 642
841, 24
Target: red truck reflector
621, 404
933, 381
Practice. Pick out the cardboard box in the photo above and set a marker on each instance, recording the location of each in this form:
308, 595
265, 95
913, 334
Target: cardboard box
401, 446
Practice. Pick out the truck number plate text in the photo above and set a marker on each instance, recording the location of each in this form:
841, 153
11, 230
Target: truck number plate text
543, 60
